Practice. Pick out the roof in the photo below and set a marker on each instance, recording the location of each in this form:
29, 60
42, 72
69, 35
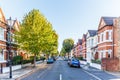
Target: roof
109, 20
80, 41
92, 32
84, 36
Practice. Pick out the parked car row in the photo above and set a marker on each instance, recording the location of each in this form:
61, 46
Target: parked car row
73, 62
50, 60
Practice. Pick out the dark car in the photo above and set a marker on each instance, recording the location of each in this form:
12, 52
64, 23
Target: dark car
74, 62
50, 60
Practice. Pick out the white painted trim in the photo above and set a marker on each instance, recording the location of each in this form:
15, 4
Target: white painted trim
3, 45
4, 61
104, 36
105, 46
60, 76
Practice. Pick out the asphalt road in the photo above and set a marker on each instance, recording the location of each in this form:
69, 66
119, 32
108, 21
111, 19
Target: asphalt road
59, 70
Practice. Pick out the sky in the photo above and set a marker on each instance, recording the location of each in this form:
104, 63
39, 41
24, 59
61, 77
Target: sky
70, 18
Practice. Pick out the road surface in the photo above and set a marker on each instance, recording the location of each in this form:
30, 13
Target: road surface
59, 70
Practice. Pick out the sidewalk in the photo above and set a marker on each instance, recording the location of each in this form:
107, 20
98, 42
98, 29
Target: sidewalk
84, 66
16, 75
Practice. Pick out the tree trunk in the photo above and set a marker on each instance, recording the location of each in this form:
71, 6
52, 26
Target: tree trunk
34, 60
47, 56
68, 55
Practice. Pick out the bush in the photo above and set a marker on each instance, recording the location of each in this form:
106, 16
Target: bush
26, 61
32, 59
42, 58
37, 58
80, 58
17, 60
96, 61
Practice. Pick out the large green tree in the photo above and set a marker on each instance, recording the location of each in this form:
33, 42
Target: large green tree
62, 52
68, 45
51, 47
36, 34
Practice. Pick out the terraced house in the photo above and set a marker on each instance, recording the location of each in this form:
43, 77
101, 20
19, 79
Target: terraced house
78, 48
105, 37
90, 44
84, 46
3, 50
7, 29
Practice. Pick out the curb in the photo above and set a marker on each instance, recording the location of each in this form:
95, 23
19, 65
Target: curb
30, 72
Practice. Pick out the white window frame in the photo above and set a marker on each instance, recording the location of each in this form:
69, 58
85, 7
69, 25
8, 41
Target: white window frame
2, 34
2, 56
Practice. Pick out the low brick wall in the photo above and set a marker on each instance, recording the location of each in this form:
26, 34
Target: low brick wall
110, 64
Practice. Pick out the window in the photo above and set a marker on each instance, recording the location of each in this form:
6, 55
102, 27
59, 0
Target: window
110, 35
1, 33
104, 54
1, 55
109, 53
92, 42
107, 34
102, 38
98, 39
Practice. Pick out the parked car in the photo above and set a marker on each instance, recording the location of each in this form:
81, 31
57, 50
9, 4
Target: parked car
74, 63
69, 60
50, 60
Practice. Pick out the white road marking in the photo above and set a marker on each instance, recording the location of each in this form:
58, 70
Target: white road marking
92, 75
60, 76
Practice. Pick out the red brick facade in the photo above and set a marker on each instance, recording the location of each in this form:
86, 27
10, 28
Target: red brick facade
105, 40
110, 64
78, 48
84, 46
3, 55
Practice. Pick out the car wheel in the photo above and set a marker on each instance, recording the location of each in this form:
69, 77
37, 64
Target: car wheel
79, 66
70, 65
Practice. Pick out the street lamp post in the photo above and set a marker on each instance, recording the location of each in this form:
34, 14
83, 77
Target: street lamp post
9, 45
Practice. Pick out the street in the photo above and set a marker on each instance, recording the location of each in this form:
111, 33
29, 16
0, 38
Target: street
59, 70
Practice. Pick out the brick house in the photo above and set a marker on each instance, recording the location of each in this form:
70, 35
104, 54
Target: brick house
105, 37
90, 44
3, 54
78, 48
94, 48
116, 37
74, 49
84, 46
4, 36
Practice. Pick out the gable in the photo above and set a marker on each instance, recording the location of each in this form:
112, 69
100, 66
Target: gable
2, 18
16, 25
101, 24
106, 21
87, 35
84, 37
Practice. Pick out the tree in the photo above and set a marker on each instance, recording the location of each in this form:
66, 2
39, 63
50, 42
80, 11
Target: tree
68, 45
62, 52
52, 45
35, 34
